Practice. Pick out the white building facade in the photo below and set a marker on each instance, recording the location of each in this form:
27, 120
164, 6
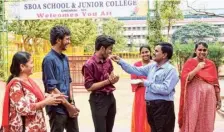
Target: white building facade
136, 31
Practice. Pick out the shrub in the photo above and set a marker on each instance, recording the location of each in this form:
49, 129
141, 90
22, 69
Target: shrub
216, 54
181, 53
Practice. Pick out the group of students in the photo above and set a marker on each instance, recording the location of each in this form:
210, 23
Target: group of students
153, 107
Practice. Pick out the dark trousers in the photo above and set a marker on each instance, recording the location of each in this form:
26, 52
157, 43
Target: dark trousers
59, 122
161, 116
103, 108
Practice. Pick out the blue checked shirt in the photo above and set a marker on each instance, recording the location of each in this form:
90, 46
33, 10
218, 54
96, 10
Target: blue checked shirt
161, 81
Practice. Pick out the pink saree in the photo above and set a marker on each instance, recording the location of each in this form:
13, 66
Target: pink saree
198, 100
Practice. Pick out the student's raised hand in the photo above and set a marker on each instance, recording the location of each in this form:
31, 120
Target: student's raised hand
201, 65
113, 78
115, 58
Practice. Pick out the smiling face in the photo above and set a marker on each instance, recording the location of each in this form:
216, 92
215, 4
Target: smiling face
145, 54
64, 43
201, 52
106, 52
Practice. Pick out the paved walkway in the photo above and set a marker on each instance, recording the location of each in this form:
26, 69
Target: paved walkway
124, 98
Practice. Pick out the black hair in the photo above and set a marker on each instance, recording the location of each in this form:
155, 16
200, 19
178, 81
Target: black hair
196, 46
58, 32
147, 47
167, 48
18, 59
103, 40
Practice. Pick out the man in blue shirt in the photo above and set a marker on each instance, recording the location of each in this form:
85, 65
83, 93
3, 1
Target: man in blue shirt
162, 78
56, 78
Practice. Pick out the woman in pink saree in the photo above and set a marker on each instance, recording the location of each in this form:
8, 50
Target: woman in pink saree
200, 93
139, 116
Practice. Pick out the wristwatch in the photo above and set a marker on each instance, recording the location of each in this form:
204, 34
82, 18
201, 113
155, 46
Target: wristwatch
71, 101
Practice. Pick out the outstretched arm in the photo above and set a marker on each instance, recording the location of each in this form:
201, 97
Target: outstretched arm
131, 69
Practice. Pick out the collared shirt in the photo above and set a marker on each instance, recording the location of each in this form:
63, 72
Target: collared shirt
56, 74
95, 70
161, 81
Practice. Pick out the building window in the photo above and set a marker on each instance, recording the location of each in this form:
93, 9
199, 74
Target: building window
133, 36
138, 36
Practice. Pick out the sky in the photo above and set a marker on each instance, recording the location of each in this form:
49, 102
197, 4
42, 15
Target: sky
211, 6
203, 4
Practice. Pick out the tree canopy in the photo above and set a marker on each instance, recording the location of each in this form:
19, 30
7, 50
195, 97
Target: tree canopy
32, 31
196, 31
170, 12
114, 28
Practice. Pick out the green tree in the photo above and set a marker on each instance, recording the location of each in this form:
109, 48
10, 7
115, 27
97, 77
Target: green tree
182, 52
170, 12
114, 28
216, 54
83, 31
3, 42
154, 25
32, 32
1, 10
196, 31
